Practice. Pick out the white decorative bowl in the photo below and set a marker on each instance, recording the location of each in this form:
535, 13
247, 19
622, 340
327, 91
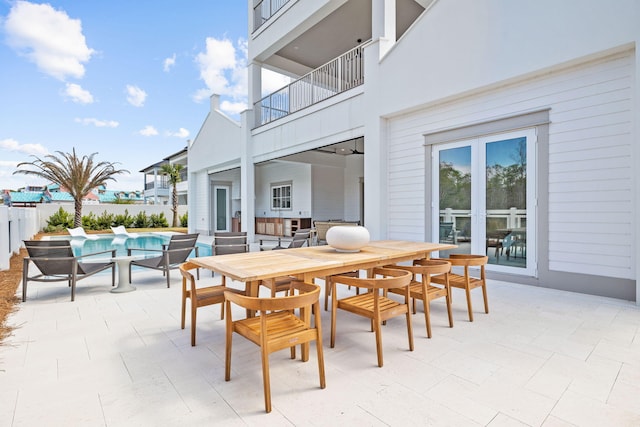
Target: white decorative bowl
347, 238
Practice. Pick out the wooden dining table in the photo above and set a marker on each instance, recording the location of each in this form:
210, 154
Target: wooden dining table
312, 262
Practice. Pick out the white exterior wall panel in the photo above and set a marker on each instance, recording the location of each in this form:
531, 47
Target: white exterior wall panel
199, 198
300, 177
328, 189
338, 119
353, 172
590, 176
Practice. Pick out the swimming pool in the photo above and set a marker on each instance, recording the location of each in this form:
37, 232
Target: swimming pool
107, 242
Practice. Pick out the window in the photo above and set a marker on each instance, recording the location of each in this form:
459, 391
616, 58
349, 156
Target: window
281, 196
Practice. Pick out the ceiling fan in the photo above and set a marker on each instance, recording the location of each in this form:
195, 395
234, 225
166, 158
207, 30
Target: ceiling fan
342, 151
355, 148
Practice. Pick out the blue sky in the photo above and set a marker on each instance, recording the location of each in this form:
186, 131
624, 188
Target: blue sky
129, 80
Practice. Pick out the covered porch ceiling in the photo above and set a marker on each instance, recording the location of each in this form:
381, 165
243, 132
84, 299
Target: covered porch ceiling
345, 28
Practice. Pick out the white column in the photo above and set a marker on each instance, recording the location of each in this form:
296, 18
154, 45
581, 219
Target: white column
383, 24
375, 158
247, 177
636, 166
255, 82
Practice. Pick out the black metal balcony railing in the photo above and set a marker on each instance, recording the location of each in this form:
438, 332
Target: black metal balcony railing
336, 76
264, 10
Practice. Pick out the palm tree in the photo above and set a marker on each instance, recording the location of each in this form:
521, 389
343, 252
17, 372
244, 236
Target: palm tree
173, 172
78, 175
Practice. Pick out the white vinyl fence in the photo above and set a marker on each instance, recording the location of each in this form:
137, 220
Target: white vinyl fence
18, 224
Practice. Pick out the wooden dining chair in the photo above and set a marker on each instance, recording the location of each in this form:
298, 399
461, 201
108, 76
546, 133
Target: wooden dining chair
327, 286
372, 304
281, 284
277, 327
465, 280
421, 287
200, 297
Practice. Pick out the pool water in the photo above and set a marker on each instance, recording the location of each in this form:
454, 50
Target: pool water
107, 242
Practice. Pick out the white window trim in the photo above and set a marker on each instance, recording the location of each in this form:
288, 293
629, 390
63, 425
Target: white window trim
272, 198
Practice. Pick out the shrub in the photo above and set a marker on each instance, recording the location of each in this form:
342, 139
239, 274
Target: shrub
59, 221
123, 219
158, 220
89, 221
104, 221
184, 220
141, 220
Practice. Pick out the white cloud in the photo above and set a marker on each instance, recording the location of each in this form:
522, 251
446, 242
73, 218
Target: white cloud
31, 149
233, 107
169, 63
272, 81
48, 38
181, 133
8, 163
223, 70
148, 131
77, 94
202, 94
98, 123
136, 96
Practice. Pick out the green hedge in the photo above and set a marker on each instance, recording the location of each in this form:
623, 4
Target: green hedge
62, 220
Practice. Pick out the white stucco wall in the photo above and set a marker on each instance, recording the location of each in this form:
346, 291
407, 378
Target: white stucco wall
281, 172
353, 173
328, 193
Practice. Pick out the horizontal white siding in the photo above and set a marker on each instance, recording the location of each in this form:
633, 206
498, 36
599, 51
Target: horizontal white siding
200, 201
590, 167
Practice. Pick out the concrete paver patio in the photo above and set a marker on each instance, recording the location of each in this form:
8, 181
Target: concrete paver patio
540, 358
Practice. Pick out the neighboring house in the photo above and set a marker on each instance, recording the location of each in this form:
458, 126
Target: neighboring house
33, 195
157, 190
513, 123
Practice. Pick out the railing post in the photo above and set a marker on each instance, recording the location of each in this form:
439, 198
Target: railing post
340, 74
513, 218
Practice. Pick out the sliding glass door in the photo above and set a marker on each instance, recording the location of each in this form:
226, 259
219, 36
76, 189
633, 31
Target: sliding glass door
485, 199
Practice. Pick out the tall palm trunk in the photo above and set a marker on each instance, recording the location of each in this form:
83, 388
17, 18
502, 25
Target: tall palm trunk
77, 218
174, 205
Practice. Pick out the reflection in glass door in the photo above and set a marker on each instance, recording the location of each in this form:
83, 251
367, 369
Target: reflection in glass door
486, 198
454, 197
221, 208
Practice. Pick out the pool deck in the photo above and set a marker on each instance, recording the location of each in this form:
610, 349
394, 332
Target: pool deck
540, 358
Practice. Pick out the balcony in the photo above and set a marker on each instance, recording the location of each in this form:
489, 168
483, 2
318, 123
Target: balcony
336, 76
264, 10
161, 185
